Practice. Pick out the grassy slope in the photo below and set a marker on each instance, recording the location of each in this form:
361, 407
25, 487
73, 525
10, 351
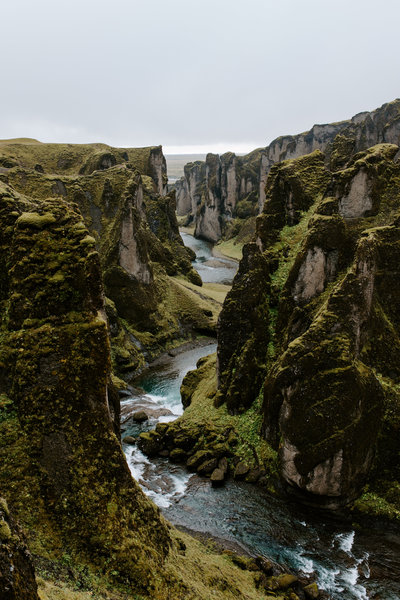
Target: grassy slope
205, 572
230, 249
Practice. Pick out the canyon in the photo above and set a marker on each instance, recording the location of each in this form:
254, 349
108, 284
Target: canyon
300, 398
219, 194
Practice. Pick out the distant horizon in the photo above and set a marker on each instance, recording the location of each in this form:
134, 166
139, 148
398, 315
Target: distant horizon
220, 148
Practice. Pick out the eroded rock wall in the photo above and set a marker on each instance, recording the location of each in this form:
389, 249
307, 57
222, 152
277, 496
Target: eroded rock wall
230, 187
136, 234
323, 333
17, 575
211, 193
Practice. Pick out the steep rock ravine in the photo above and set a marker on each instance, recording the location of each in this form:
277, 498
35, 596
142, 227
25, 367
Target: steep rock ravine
222, 195
348, 563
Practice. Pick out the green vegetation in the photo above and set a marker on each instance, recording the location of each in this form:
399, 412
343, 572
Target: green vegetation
230, 248
206, 430
291, 325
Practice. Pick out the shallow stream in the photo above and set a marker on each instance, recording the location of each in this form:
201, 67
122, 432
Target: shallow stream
350, 563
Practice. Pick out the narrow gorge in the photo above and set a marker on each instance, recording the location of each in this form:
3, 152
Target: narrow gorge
176, 423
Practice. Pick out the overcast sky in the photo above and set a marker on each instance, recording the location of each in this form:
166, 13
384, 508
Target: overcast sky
204, 75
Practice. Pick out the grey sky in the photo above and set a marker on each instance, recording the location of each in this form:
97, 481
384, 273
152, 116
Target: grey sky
221, 74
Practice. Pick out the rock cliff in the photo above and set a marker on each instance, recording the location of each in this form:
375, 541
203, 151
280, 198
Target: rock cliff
62, 469
211, 193
135, 230
218, 194
314, 313
58, 403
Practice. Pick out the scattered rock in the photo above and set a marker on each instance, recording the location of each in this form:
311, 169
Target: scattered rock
217, 477
140, 416
286, 580
281, 582
197, 459
254, 475
162, 428
264, 565
223, 464
177, 455
311, 591
241, 470
207, 466
128, 439
149, 443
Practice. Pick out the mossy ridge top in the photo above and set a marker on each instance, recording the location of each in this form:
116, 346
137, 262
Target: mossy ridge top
69, 158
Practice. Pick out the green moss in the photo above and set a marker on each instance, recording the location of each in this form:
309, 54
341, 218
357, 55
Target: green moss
5, 531
35, 220
4, 507
372, 504
291, 239
211, 430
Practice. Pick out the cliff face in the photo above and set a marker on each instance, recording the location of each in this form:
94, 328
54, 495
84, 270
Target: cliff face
135, 231
17, 576
227, 187
55, 367
315, 304
62, 468
214, 191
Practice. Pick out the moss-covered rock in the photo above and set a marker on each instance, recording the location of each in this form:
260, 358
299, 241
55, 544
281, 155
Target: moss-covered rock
227, 187
55, 368
132, 223
17, 575
315, 300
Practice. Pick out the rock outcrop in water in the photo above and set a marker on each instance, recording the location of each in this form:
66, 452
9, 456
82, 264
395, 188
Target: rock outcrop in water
312, 319
221, 193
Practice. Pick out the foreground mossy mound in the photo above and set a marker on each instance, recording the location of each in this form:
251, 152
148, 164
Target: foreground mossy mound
209, 440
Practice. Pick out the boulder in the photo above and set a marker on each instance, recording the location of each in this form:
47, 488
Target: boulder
140, 416
241, 470
207, 467
311, 591
217, 477
149, 443
128, 439
197, 459
264, 564
177, 455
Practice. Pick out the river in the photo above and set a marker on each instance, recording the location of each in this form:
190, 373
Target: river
350, 563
